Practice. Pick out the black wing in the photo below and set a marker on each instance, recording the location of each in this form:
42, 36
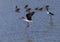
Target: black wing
51, 13
29, 15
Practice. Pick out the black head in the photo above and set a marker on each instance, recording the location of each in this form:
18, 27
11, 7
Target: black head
47, 6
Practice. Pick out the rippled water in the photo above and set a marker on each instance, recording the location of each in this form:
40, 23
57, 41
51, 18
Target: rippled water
12, 29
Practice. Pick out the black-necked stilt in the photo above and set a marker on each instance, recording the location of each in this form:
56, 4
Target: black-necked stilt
28, 17
17, 9
50, 14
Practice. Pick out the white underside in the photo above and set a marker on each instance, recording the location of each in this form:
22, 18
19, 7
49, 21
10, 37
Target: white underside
27, 20
48, 13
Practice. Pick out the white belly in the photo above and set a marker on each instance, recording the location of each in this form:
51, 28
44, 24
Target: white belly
47, 12
27, 20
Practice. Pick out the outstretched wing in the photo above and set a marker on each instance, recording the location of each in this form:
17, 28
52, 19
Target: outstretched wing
29, 15
32, 13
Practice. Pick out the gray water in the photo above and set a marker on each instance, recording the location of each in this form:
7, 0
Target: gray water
12, 28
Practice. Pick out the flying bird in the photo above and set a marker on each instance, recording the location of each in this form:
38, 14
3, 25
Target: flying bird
28, 17
17, 9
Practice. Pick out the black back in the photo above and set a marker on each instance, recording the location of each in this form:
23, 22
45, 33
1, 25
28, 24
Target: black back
51, 13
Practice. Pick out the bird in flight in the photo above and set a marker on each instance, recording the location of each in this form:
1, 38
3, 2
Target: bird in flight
17, 9
28, 17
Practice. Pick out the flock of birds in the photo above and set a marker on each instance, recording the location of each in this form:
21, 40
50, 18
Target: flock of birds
30, 14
